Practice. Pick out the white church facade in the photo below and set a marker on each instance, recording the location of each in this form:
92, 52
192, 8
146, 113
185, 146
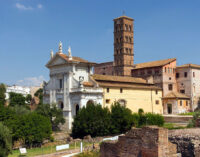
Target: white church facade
70, 84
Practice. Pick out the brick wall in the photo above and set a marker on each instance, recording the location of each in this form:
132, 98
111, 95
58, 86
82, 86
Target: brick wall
140, 142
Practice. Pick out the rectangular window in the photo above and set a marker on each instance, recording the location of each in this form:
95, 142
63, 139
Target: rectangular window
157, 102
121, 90
193, 74
177, 75
181, 103
156, 92
185, 74
61, 83
186, 103
108, 90
170, 87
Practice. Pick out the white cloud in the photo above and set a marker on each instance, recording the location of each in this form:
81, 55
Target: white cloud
23, 7
39, 6
31, 81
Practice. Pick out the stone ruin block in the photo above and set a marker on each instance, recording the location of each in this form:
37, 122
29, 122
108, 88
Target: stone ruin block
148, 141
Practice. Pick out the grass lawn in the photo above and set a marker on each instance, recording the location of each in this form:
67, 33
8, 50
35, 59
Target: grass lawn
44, 150
187, 114
172, 126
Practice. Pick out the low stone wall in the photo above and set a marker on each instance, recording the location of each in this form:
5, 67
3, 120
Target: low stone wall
140, 142
177, 119
187, 141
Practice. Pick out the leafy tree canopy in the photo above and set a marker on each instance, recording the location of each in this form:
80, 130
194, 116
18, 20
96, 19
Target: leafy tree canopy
17, 99
5, 141
91, 120
53, 113
28, 98
2, 94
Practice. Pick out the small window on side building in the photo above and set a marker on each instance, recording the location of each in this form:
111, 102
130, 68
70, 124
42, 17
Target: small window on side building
107, 101
157, 102
121, 90
108, 90
185, 74
193, 74
156, 92
181, 103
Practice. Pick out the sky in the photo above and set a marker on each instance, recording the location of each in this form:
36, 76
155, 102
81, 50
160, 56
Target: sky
29, 29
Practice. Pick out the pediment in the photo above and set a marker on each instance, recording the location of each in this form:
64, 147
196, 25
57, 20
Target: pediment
56, 60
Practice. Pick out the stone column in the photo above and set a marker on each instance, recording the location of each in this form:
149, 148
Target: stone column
66, 99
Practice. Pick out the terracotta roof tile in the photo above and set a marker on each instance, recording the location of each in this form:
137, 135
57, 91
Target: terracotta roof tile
88, 84
78, 59
153, 64
195, 66
118, 79
176, 95
127, 85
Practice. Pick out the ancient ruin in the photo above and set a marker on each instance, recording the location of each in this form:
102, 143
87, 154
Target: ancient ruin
148, 141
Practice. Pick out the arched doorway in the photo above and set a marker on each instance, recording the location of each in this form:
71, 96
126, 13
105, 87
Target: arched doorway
61, 105
90, 102
77, 109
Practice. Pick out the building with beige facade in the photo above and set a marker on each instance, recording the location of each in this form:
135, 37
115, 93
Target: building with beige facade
188, 82
134, 93
162, 73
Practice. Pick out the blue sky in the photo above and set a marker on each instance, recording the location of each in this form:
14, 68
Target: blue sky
29, 29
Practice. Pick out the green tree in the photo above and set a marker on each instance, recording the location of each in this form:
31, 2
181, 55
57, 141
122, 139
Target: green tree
121, 119
91, 120
5, 141
53, 113
2, 94
17, 99
28, 98
34, 129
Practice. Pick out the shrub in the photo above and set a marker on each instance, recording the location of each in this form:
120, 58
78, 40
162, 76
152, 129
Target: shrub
53, 113
192, 122
91, 120
33, 129
154, 119
17, 99
148, 119
5, 141
140, 111
121, 119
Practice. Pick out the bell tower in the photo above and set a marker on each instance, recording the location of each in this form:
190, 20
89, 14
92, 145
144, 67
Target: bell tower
123, 46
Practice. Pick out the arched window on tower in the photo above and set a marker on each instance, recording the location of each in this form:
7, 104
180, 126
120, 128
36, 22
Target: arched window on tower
130, 39
126, 38
126, 27
130, 29
130, 51
121, 27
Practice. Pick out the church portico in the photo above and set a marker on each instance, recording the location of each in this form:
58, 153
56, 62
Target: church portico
70, 85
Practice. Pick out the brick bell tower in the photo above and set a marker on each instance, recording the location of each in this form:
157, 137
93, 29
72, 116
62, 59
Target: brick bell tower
123, 46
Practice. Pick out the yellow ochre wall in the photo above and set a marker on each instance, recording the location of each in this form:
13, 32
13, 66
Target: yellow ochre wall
136, 99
